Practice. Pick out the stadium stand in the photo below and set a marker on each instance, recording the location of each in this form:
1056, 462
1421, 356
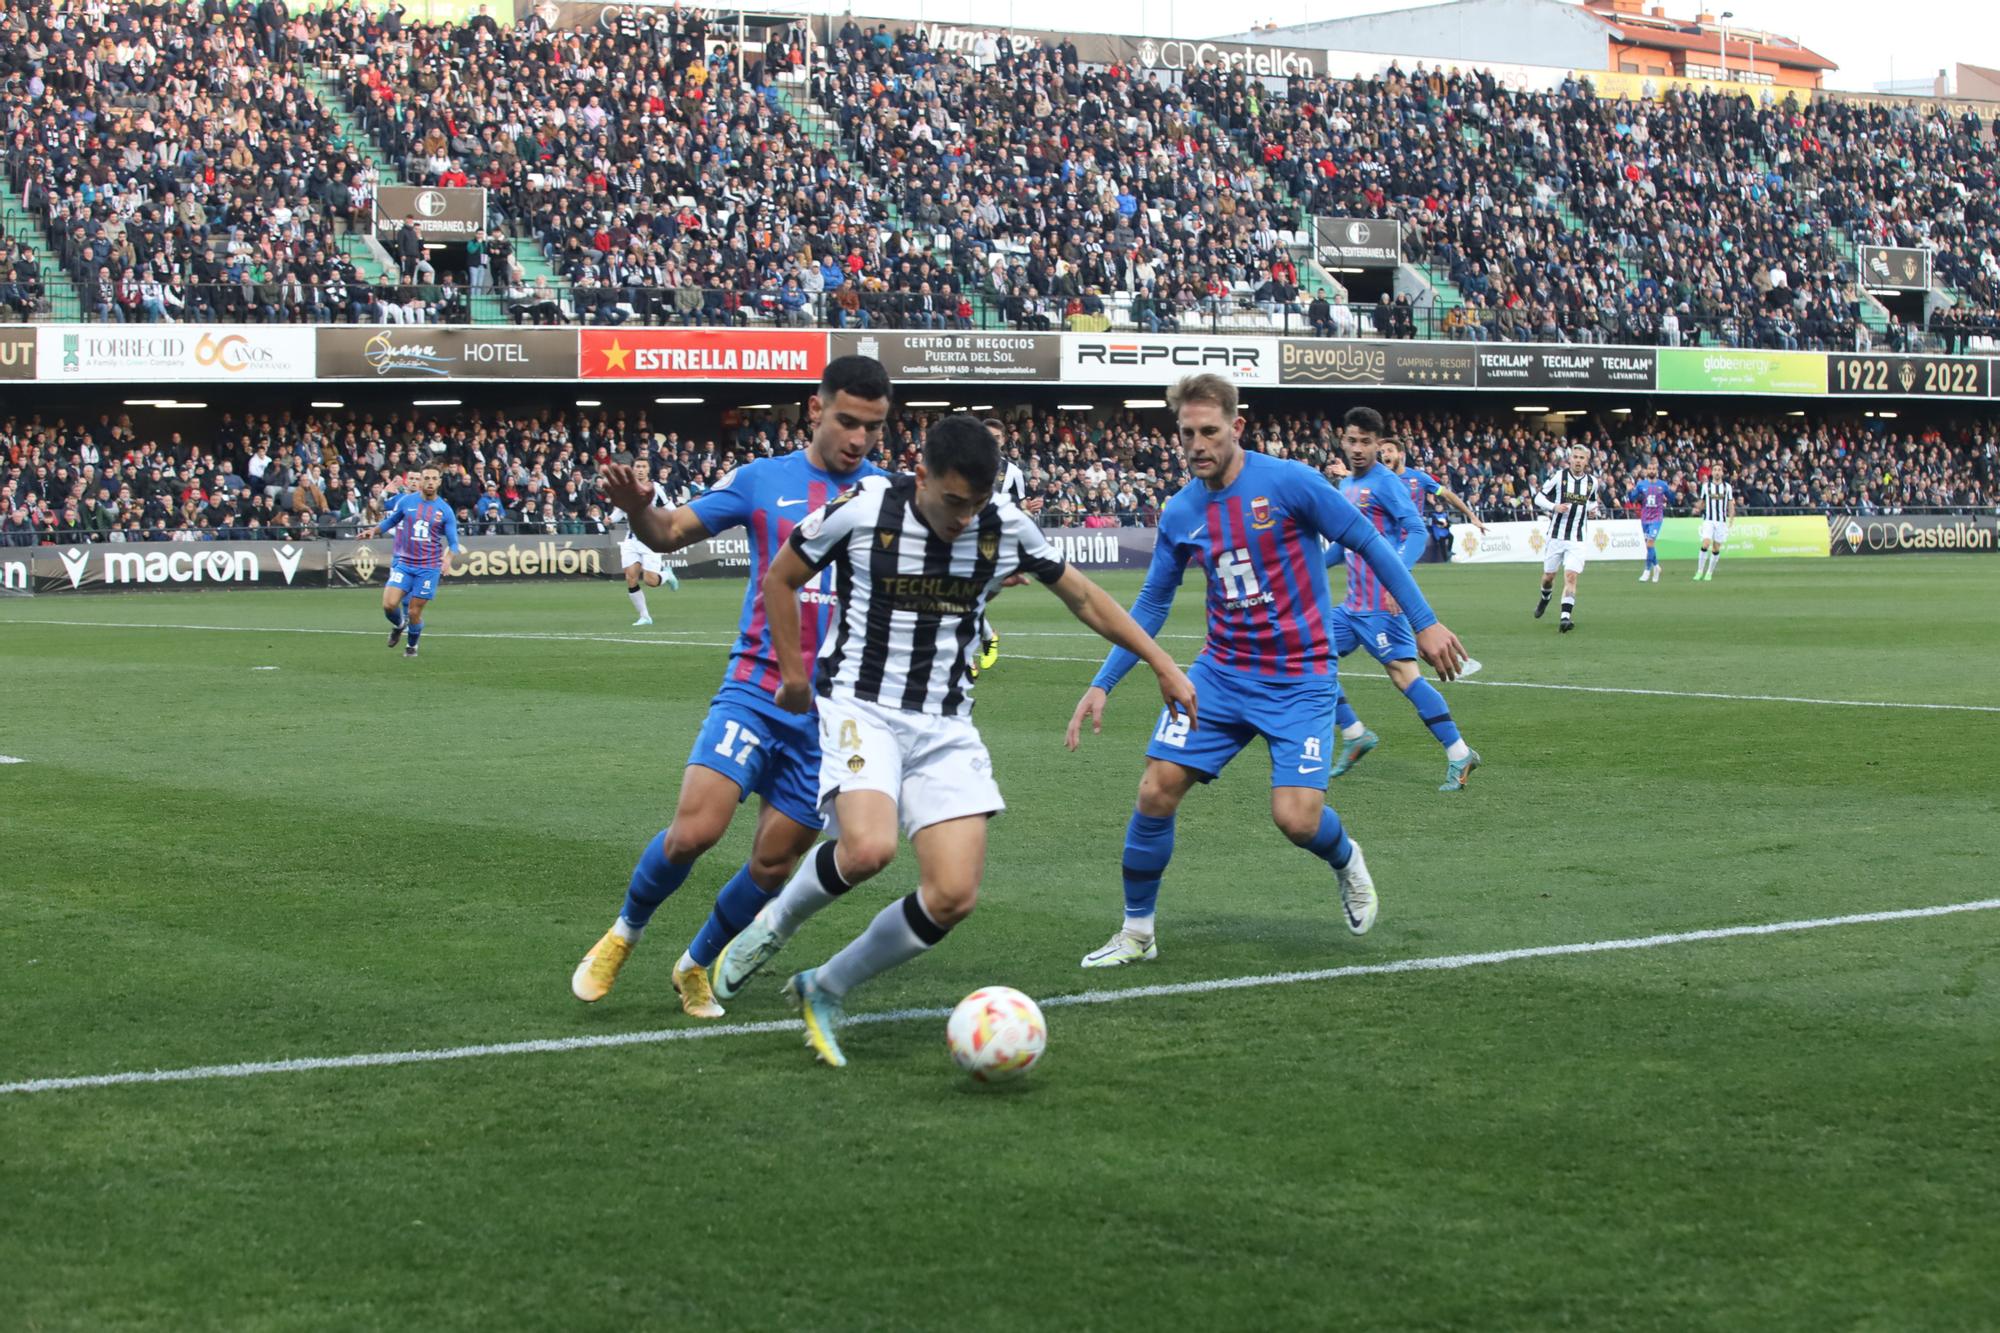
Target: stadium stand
289, 475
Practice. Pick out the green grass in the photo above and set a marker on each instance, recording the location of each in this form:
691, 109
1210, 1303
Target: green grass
205, 863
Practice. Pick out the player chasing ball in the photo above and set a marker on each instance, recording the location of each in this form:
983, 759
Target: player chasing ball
1268, 667
1370, 617
1718, 511
425, 528
1567, 497
917, 558
644, 567
749, 743
1651, 495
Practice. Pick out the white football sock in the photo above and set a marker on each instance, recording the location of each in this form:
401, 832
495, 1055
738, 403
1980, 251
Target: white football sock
1140, 925
686, 962
1457, 750
638, 596
625, 930
901, 931
805, 894
1353, 729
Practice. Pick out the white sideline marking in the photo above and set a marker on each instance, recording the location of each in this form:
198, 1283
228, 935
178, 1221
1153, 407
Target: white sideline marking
1030, 657
10, 759
557, 1045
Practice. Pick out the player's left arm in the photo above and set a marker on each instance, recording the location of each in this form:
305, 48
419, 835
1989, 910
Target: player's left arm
1732, 506
1451, 498
451, 530
1336, 519
1412, 541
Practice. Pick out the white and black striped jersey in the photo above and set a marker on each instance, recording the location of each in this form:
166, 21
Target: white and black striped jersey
1579, 493
660, 501
910, 603
1715, 497
1013, 484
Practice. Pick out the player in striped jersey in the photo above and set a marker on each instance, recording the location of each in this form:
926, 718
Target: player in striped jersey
425, 528
1651, 495
1567, 497
916, 559
1423, 485
1268, 669
748, 744
1718, 511
644, 567
1370, 617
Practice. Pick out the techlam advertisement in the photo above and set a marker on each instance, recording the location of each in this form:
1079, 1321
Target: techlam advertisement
791, 355
1162, 358
208, 353
1526, 543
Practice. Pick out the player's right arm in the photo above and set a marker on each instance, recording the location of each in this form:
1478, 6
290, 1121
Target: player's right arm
661, 530
812, 545
1451, 497
392, 515
1149, 614
1338, 520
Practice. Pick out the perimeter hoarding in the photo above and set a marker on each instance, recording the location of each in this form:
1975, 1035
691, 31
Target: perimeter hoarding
1739, 370
1780, 535
169, 566
1569, 367
1367, 363
958, 357
17, 353
436, 352
163, 353
1914, 534
738, 355
1162, 358
1883, 375
1525, 542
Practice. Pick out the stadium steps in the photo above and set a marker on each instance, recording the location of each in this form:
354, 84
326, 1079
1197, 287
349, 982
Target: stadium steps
1874, 315
22, 227
377, 267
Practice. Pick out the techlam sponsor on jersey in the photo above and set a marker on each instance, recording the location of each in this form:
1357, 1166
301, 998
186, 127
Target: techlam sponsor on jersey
1164, 358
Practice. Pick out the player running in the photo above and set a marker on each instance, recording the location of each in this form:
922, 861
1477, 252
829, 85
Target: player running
1651, 495
1422, 483
748, 744
1268, 668
425, 528
1370, 617
1718, 511
1567, 497
918, 557
644, 567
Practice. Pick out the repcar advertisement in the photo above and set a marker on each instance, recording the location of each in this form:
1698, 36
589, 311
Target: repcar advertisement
1162, 358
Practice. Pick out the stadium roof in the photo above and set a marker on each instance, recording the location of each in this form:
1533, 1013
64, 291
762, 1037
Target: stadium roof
1672, 35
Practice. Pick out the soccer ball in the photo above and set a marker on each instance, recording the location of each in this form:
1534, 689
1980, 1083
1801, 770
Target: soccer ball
996, 1033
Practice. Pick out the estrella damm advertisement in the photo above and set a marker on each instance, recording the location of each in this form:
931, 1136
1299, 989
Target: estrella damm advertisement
1741, 370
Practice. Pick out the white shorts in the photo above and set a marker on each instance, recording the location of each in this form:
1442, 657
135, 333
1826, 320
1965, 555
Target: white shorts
632, 551
1712, 531
935, 768
1564, 555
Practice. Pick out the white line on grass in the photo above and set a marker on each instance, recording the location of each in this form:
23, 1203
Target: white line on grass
670, 642
558, 1045
10, 759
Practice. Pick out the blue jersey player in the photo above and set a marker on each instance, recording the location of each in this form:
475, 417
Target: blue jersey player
425, 529
1370, 618
748, 744
1256, 524
1652, 496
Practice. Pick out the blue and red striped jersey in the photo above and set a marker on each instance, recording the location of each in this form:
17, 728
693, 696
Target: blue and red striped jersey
767, 498
424, 529
1422, 486
1384, 501
1260, 542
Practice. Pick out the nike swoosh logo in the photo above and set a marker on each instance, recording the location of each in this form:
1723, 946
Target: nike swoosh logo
1197, 532
1314, 769
786, 504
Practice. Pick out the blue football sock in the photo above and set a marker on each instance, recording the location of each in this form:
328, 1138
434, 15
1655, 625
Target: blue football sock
1652, 556
394, 617
1344, 715
1149, 845
1434, 711
739, 901
653, 879
416, 632
1331, 844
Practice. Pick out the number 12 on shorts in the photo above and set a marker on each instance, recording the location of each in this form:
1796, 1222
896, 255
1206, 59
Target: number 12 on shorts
726, 747
1173, 728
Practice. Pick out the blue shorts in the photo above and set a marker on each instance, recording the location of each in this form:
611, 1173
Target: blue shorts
1295, 718
1385, 634
763, 749
414, 580
1651, 528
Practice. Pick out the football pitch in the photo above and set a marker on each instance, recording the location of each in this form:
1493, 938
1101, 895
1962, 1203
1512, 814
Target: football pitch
245, 833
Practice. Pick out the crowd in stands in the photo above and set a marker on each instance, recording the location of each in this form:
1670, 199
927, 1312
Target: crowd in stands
296, 475
183, 167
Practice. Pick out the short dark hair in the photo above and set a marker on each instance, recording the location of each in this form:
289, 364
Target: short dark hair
859, 376
1367, 418
962, 445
